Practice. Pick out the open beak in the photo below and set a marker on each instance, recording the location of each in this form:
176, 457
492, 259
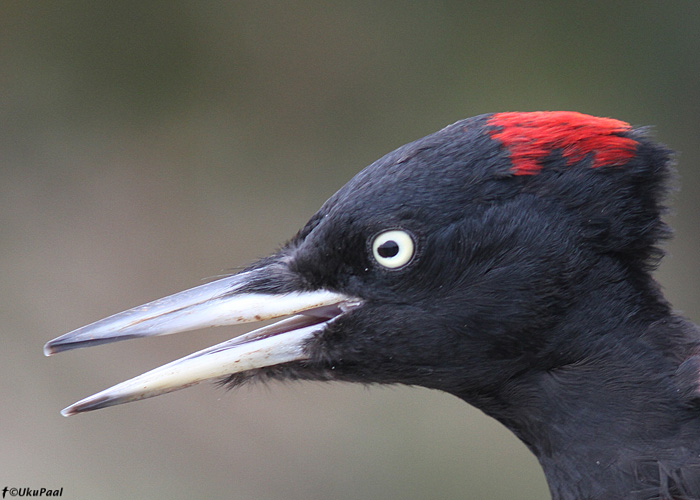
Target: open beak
242, 298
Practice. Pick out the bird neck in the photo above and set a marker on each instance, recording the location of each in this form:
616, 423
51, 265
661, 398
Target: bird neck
621, 413
599, 439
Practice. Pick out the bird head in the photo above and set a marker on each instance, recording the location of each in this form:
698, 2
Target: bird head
455, 262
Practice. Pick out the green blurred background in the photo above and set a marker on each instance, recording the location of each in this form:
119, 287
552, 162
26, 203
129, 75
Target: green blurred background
147, 145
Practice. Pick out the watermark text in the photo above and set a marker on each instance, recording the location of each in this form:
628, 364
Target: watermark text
32, 492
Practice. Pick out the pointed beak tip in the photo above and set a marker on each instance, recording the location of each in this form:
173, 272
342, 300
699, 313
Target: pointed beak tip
56, 346
94, 402
217, 303
48, 349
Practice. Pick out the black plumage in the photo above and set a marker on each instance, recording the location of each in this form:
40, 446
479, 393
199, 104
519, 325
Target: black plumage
505, 259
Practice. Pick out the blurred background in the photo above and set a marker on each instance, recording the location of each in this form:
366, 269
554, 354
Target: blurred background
145, 146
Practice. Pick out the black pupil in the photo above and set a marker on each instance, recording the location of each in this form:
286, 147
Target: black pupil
388, 249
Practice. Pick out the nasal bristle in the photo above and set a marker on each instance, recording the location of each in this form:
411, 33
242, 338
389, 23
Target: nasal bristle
531, 137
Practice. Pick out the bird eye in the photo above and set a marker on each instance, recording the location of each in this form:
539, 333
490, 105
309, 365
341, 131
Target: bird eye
393, 249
